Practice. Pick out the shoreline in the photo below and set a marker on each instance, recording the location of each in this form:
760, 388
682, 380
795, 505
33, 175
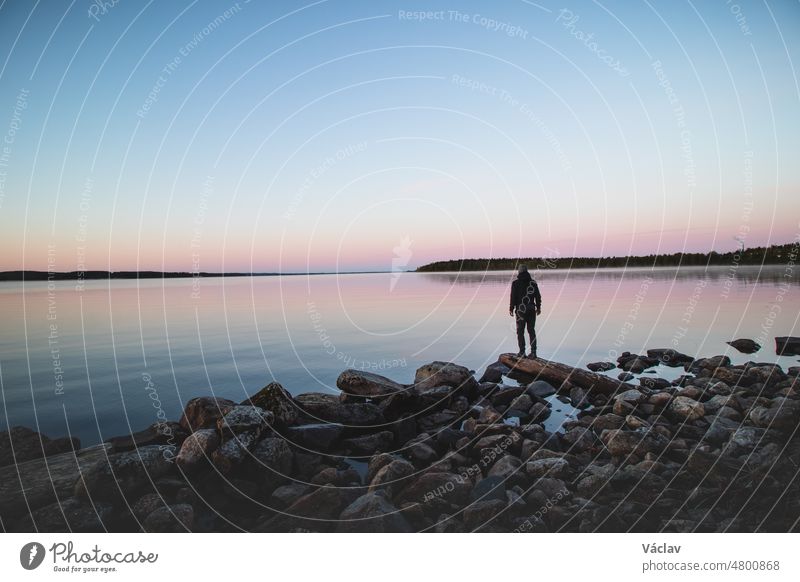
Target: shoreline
447, 452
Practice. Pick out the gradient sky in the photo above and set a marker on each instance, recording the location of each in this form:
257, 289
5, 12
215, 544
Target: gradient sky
335, 135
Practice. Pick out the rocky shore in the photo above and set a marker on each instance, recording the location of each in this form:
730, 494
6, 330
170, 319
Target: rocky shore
715, 450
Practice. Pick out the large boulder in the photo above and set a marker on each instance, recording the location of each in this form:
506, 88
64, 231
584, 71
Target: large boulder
443, 374
170, 434
366, 384
494, 372
204, 412
122, 475
328, 408
274, 398
372, 513
196, 450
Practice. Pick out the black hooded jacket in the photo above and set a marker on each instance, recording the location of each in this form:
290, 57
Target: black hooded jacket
525, 296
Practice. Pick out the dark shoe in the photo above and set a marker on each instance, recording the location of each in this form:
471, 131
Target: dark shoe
533, 355
521, 353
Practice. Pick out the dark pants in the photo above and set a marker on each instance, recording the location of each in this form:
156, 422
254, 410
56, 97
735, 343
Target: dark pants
527, 320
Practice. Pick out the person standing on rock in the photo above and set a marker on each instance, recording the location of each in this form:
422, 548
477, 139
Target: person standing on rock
526, 304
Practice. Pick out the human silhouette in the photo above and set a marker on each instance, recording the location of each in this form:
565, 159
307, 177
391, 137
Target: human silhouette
526, 304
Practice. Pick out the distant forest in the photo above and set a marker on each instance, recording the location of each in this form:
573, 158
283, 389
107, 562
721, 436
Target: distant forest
772, 255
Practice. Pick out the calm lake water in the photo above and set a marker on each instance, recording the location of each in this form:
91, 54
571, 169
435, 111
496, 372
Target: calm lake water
92, 362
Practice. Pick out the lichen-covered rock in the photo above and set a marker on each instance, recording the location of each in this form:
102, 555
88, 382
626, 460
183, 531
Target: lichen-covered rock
392, 477
123, 474
621, 443
274, 398
443, 374
272, 461
197, 449
328, 408
245, 419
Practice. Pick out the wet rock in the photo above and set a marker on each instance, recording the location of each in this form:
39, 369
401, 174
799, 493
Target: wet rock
275, 399
20, 444
204, 412
197, 449
711, 363
494, 372
372, 513
625, 377
328, 407
687, 408
433, 422
172, 519
601, 366
540, 389
369, 444
578, 397
360, 383
422, 455
635, 364
122, 475
315, 437
654, 383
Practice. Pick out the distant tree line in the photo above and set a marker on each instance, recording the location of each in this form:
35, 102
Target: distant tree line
771, 255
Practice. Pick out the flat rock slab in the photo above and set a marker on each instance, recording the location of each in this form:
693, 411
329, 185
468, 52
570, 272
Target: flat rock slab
33, 484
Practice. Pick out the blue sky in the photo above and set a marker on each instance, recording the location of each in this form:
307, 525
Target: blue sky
319, 136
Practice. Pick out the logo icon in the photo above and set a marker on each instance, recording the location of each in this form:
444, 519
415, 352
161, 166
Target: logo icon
31, 555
